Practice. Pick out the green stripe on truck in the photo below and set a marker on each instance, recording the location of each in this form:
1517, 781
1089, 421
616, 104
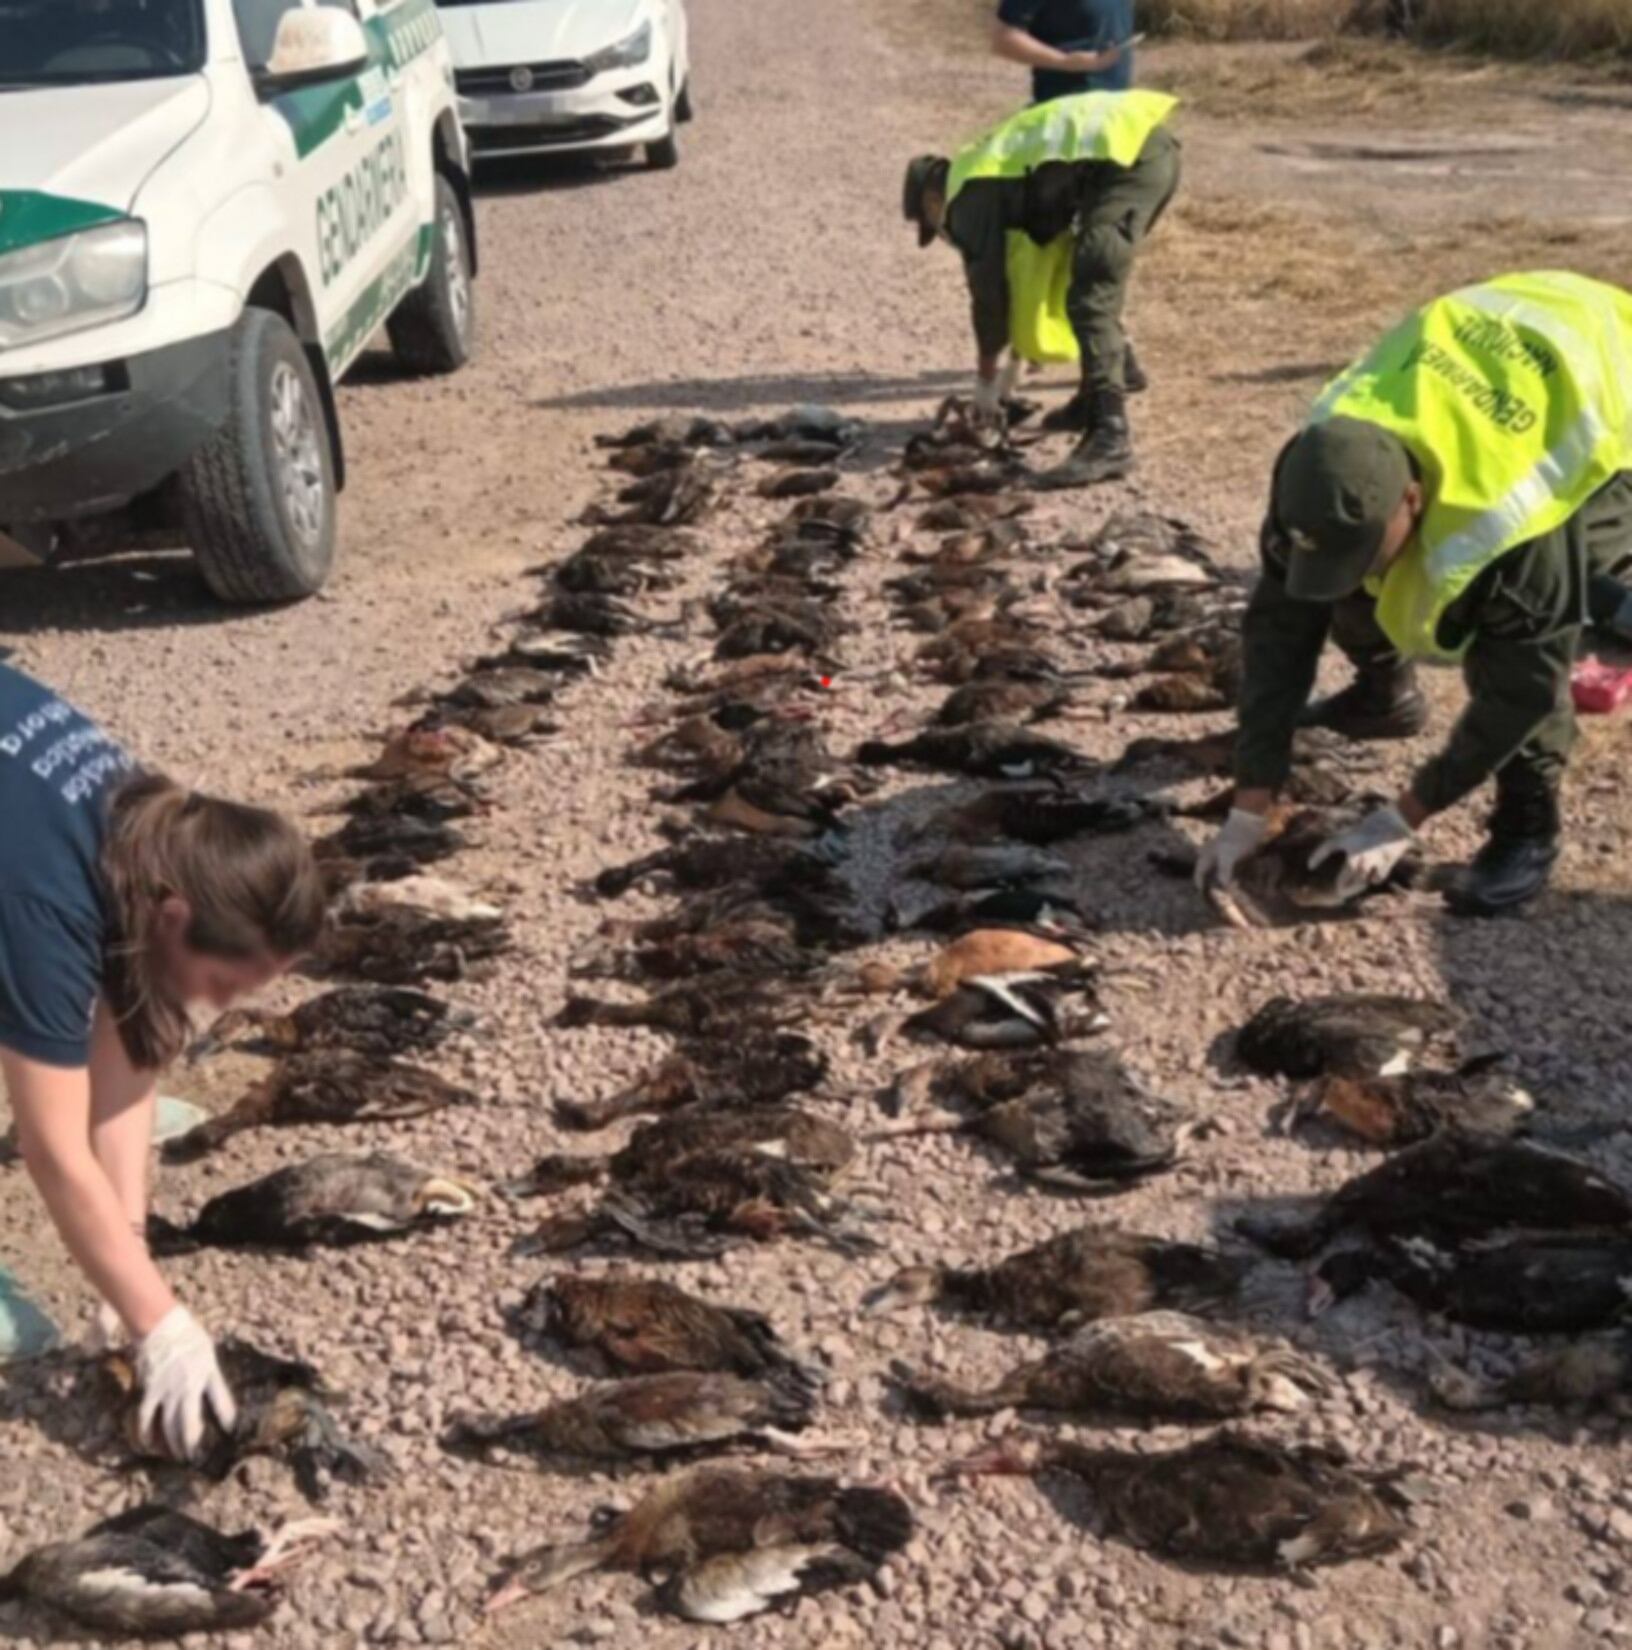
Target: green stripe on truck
28, 217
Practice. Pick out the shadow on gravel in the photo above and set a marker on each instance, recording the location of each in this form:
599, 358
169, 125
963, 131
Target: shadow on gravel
136, 592
860, 390
542, 174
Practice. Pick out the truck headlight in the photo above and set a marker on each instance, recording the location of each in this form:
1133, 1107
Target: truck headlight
627, 54
72, 282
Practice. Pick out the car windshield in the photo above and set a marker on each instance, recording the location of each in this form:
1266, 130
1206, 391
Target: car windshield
81, 42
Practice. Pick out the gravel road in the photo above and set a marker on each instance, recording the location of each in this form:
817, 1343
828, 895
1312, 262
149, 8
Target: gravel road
772, 269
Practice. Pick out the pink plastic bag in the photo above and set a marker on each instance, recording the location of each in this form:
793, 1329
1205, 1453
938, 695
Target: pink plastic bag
1598, 689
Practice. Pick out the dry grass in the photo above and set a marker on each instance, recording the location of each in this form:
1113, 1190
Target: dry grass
1509, 28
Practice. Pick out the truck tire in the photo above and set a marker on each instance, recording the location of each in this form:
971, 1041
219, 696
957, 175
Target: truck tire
433, 328
258, 499
684, 111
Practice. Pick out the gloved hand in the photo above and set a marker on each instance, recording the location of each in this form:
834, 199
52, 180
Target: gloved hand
1371, 849
175, 1364
108, 1332
1239, 836
988, 398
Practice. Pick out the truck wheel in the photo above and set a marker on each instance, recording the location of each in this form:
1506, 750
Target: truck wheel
431, 330
258, 499
683, 109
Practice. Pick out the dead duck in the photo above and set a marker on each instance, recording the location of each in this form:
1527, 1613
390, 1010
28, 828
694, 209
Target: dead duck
1230, 1500
1077, 1277
515, 726
1455, 1186
403, 839
687, 429
330, 1086
1402, 1110
595, 571
429, 747
152, 1572
1593, 1371
796, 482
422, 889
678, 1414
1042, 911
404, 945
676, 497
1007, 1011
785, 1133
983, 750
996, 865
717, 1005
330, 1201
590, 613
989, 951
1039, 815
283, 1411
733, 1542
498, 689
972, 511
1082, 1123
759, 939
1348, 1034
583, 657
1157, 1364
645, 1326
708, 862
1140, 618
1543, 1283
754, 1067
380, 1021
708, 1203
790, 626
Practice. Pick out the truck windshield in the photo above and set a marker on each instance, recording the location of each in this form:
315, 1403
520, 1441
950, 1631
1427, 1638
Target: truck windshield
83, 42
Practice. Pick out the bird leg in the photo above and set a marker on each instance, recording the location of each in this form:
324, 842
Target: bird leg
800, 1449
288, 1546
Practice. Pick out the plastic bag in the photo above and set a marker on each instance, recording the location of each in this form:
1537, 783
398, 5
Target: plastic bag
1598, 689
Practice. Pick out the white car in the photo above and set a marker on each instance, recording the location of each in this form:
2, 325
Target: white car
558, 76
207, 208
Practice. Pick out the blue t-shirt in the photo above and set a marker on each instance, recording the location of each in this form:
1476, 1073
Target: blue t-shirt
1075, 26
57, 769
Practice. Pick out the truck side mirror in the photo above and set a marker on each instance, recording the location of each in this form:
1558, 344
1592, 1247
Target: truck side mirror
313, 44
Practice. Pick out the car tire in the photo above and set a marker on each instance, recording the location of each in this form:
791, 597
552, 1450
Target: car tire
664, 154
259, 499
684, 112
433, 329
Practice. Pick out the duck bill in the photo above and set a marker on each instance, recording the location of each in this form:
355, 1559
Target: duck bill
511, 1593
445, 1196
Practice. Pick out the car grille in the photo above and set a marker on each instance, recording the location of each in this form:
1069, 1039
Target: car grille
496, 139
565, 76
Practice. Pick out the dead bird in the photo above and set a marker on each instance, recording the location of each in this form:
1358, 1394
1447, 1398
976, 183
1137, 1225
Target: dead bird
283, 1411
1453, 1187
803, 452
681, 1413
1083, 1123
429, 746
758, 939
687, 429
501, 687
590, 613
650, 457
433, 797
1006, 1011
581, 657
151, 1572
1157, 1364
717, 1005
403, 945
400, 838
800, 626
1137, 550
714, 1531
715, 862
1595, 1370
971, 511
984, 750
754, 1067
1228, 1500
798, 483
330, 1086
999, 865
1348, 1034
668, 498
1141, 618
516, 726
988, 951
601, 572
645, 1326
1531, 1283
809, 421
422, 889
709, 1202
1402, 1110
971, 546
1044, 912
786, 1133
1040, 815
328, 1201
371, 1020
1077, 1277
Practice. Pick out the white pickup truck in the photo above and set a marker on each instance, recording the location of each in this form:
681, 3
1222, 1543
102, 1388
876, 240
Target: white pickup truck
207, 208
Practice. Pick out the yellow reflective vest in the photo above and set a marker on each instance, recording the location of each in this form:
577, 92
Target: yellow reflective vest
1515, 399
1105, 126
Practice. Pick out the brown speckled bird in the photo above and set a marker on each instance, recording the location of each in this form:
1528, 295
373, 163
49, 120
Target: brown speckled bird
1405, 1109
361, 1019
405, 945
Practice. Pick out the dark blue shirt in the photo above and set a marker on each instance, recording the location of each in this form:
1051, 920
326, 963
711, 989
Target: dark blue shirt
57, 770
1075, 26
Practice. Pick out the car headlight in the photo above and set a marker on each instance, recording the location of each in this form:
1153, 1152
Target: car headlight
626, 54
72, 282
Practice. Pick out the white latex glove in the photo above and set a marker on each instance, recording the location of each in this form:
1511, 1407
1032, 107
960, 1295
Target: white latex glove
1238, 837
108, 1332
175, 1364
1371, 849
988, 397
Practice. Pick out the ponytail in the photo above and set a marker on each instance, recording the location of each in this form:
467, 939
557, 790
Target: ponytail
246, 874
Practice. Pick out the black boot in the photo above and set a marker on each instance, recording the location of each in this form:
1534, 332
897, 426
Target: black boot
1104, 454
1076, 415
1517, 858
1133, 375
1383, 703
